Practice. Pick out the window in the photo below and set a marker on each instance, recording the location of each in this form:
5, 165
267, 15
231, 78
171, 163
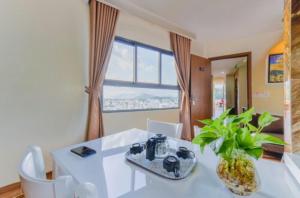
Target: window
147, 65
121, 62
139, 77
168, 70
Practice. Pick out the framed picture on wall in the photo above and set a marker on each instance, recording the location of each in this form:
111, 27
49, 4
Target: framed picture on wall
275, 68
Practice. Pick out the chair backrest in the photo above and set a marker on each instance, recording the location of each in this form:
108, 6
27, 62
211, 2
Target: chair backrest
33, 178
166, 128
197, 130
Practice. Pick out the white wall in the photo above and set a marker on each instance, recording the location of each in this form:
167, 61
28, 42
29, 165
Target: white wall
43, 71
265, 97
242, 87
229, 83
115, 122
137, 29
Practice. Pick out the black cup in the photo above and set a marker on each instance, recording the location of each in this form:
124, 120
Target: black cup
183, 152
136, 148
172, 164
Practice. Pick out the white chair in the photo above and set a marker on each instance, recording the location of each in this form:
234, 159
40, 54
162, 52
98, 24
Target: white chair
169, 129
86, 190
34, 181
197, 130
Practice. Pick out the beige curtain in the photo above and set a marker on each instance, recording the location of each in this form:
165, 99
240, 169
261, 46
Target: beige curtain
103, 19
181, 47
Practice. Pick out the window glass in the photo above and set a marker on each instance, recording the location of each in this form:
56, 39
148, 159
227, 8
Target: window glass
121, 62
168, 70
147, 65
132, 81
132, 98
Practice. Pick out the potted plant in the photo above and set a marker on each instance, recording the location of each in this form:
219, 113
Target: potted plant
236, 141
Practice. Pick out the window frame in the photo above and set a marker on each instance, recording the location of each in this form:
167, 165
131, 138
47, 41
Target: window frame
134, 83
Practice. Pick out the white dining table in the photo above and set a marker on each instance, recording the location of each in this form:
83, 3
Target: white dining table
114, 176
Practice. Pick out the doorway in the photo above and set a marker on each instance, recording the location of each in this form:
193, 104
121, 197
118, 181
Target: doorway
208, 96
231, 87
218, 96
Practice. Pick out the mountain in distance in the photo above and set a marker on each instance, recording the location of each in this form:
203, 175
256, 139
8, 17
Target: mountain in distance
138, 96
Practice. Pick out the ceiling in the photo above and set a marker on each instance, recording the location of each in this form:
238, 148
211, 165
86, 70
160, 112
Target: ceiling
216, 19
225, 66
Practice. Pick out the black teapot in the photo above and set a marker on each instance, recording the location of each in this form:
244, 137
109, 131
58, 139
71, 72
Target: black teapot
157, 146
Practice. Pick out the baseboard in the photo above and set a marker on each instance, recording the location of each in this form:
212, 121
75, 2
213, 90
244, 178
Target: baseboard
17, 185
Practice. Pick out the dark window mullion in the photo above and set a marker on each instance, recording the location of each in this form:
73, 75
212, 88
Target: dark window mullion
135, 64
118, 83
159, 70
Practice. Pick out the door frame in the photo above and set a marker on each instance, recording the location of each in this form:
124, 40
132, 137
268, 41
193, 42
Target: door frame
249, 70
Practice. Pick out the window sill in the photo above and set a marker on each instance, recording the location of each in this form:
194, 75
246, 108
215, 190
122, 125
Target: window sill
140, 110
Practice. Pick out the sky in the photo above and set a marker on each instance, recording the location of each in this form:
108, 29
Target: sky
121, 65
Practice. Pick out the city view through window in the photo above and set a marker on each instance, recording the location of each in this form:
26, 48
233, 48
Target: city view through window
147, 81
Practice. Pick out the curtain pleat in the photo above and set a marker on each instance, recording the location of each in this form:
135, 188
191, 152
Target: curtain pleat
181, 47
103, 20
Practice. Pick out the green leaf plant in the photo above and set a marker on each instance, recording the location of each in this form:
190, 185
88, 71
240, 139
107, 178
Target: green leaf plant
230, 135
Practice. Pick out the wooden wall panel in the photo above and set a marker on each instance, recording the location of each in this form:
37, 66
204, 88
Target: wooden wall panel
201, 89
292, 75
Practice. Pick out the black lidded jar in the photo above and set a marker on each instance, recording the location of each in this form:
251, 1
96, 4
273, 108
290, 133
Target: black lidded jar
150, 149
